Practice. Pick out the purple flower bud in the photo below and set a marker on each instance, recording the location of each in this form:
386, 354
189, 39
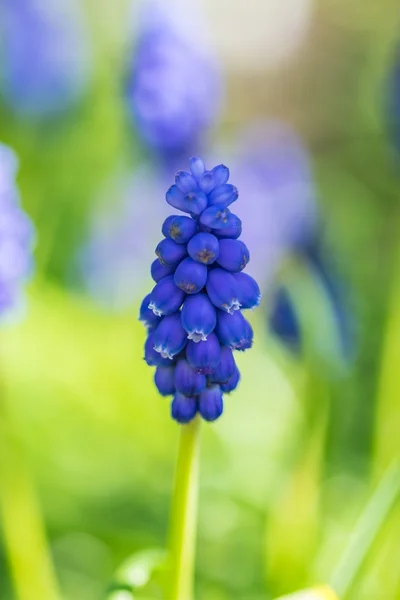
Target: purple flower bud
204, 356
221, 222
164, 378
226, 367
170, 338
159, 271
223, 195
179, 228
153, 358
146, 315
206, 182
170, 253
198, 317
190, 276
196, 166
233, 255
185, 182
193, 202
249, 294
203, 248
166, 298
187, 380
211, 404
222, 290
220, 174
234, 330
232, 382
183, 408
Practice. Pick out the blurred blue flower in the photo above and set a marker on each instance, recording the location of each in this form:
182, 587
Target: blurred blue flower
123, 232
281, 218
173, 87
45, 60
198, 306
16, 236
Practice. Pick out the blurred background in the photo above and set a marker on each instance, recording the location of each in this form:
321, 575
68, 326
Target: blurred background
102, 102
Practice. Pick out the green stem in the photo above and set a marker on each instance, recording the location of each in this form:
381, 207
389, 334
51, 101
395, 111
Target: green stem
366, 531
184, 514
23, 529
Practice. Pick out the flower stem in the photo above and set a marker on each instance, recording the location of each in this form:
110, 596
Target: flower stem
23, 530
366, 531
184, 514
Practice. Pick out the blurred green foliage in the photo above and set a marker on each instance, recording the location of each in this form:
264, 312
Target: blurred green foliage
280, 493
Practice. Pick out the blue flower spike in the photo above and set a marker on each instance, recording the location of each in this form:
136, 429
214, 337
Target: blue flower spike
194, 314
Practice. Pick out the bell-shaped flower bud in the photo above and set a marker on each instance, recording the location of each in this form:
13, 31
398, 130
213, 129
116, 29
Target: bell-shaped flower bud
203, 248
234, 330
170, 253
183, 408
190, 276
166, 298
249, 294
170, 338
164, 378
222, 290
204, 356
198, 317
226, 368
187, 380
211, 404
233, 255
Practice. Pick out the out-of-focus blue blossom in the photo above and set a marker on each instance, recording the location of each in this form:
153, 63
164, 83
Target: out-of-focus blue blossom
45, 62
16, 236
125, 228
199, 329
275, 179
173, 88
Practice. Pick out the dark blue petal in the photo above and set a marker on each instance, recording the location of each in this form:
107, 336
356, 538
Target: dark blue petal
198, 317
211, 404
179, 228
234, 330
187, 380
204, 356
203, 248
249, 294
232, 382
221, 222
153, 358
222, 290
147, 316
197, 167
223, 195
166, 297
159, 271
185, 182
170, 253
233, 255
170, 338
190, 276
193, 202
164, 378
226, 368
183, 408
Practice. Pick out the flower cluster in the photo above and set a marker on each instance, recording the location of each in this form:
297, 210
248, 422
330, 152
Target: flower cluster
45, 56
193, 314
173, 86
16, 234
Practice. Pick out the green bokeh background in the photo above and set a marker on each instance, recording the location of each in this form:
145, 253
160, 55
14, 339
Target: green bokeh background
287, 470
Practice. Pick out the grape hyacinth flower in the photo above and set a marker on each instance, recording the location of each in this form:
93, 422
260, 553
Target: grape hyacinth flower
193, 314
16, 236
172, 90
45, 57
